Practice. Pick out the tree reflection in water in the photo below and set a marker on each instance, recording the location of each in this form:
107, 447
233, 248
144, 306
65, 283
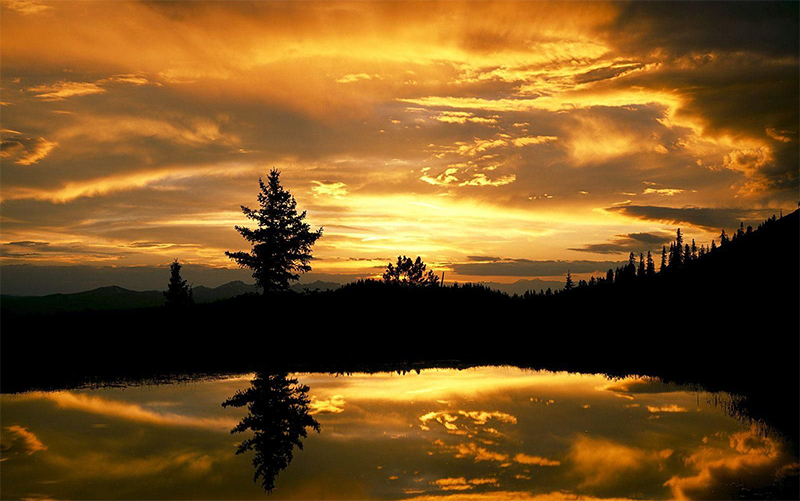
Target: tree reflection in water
278, 417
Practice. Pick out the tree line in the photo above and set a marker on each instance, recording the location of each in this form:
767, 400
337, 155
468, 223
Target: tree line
281, 245
679, 255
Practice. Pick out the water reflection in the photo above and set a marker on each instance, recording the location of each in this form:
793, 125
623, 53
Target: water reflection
278, 417
483, 433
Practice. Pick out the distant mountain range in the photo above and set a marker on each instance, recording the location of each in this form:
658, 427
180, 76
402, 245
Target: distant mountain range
118, 298
522, 286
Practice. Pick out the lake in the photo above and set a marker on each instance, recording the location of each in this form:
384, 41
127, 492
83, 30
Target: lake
478, 433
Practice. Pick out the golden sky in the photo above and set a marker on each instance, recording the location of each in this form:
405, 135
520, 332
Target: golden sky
493, 139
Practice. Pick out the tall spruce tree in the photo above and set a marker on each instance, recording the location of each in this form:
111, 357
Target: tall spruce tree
651, 266
569, 284
179, 292
281, 242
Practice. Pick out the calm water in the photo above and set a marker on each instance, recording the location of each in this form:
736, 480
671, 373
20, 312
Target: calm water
483, 433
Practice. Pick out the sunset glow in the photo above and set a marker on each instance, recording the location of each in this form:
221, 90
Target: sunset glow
466, 133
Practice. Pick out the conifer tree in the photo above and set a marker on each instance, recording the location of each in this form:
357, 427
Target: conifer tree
676, 251
723, 238
568, 285
694, 250
663, 259
641, 265
281, 241
651, 266
179, 292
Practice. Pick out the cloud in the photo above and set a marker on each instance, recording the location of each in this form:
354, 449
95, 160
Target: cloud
529, 268
329, 189
124, 182
474, 420
462, 117
26, 150
702, 217
132, 412
666, 192
65, 89
26, 6
602, 463
666, 408
747, 458
477, 453
631, 242
535, 460
462, 484
356, 77
40, 150
19, 440
331, 405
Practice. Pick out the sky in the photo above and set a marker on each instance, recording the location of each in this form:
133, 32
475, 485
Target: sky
446, 435
499, 141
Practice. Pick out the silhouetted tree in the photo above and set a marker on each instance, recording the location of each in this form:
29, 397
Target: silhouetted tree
282, 240
723, 239
179, 292
651, 266
278, 417
610, 276
641, 265
687, 253
713, 245
569, 284
694, 250
408, 272
663, 259
676, 252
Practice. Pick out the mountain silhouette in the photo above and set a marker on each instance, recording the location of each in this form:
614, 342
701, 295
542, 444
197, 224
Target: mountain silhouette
118, 298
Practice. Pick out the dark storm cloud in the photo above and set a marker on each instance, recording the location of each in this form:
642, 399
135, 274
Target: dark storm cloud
703, 217
632, 242
529, 268
686, 27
